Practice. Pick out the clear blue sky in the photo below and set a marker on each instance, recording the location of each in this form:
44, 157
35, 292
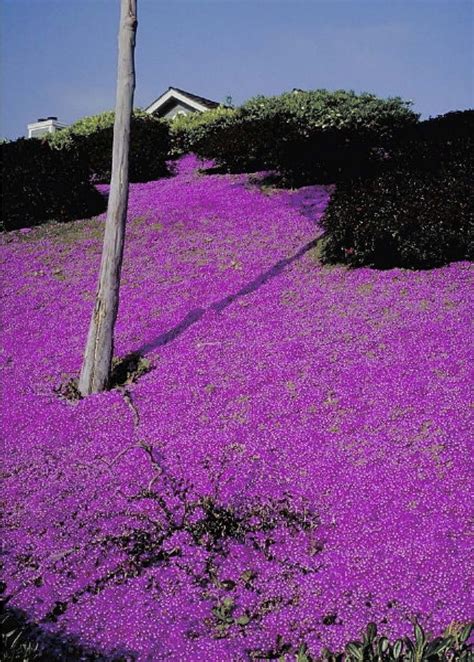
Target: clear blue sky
58, 57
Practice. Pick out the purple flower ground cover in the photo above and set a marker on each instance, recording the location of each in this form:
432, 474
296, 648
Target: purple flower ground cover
296, 463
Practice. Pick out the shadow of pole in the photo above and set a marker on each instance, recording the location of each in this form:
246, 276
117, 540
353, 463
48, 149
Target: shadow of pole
191, 318
263, 278
195, 315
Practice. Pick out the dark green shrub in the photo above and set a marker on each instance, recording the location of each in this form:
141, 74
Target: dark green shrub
417, 212
317, 135
149, 145
41, 183
447, 129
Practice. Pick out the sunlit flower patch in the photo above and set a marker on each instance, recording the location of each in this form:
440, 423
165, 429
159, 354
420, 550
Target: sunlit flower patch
294, 465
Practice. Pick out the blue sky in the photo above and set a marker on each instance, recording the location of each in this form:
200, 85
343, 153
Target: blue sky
58, 57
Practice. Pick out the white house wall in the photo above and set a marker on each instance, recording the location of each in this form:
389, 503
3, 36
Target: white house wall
178, 109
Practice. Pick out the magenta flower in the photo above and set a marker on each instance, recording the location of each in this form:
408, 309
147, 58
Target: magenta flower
294, 466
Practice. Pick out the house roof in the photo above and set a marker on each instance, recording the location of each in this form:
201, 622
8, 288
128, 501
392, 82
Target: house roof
194, 100
205, 102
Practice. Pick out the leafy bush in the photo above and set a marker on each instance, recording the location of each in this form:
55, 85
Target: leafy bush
447, 129
41, 183
149, 145
317, 135
417, 212
189, 133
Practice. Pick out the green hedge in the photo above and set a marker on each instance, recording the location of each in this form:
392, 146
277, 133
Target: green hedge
149, 145
189, 133
41, 183
306, 136
418, 211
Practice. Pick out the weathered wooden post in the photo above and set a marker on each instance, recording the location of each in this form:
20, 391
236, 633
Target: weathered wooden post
96, 367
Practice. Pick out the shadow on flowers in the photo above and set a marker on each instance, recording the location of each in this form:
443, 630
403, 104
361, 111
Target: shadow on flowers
24, 640
218, 306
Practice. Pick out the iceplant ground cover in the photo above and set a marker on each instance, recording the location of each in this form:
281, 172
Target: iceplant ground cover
295, 465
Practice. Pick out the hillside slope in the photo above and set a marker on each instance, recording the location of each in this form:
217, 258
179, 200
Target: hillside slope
294, 466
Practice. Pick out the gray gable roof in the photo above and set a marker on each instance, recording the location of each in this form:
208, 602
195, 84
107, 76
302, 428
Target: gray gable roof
205, 102
192, 98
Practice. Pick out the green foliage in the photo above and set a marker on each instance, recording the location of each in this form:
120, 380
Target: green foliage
16, 646
149, 145
452, 645
40, 183
317, 135
417, 211
452, 126
224, 618
302, 654
23, 641
189, 133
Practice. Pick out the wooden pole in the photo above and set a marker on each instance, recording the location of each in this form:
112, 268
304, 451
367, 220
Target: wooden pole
96, 367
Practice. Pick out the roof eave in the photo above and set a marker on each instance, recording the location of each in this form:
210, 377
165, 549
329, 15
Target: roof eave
170, 93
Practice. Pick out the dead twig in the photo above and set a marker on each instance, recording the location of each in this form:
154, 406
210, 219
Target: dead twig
131, 405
